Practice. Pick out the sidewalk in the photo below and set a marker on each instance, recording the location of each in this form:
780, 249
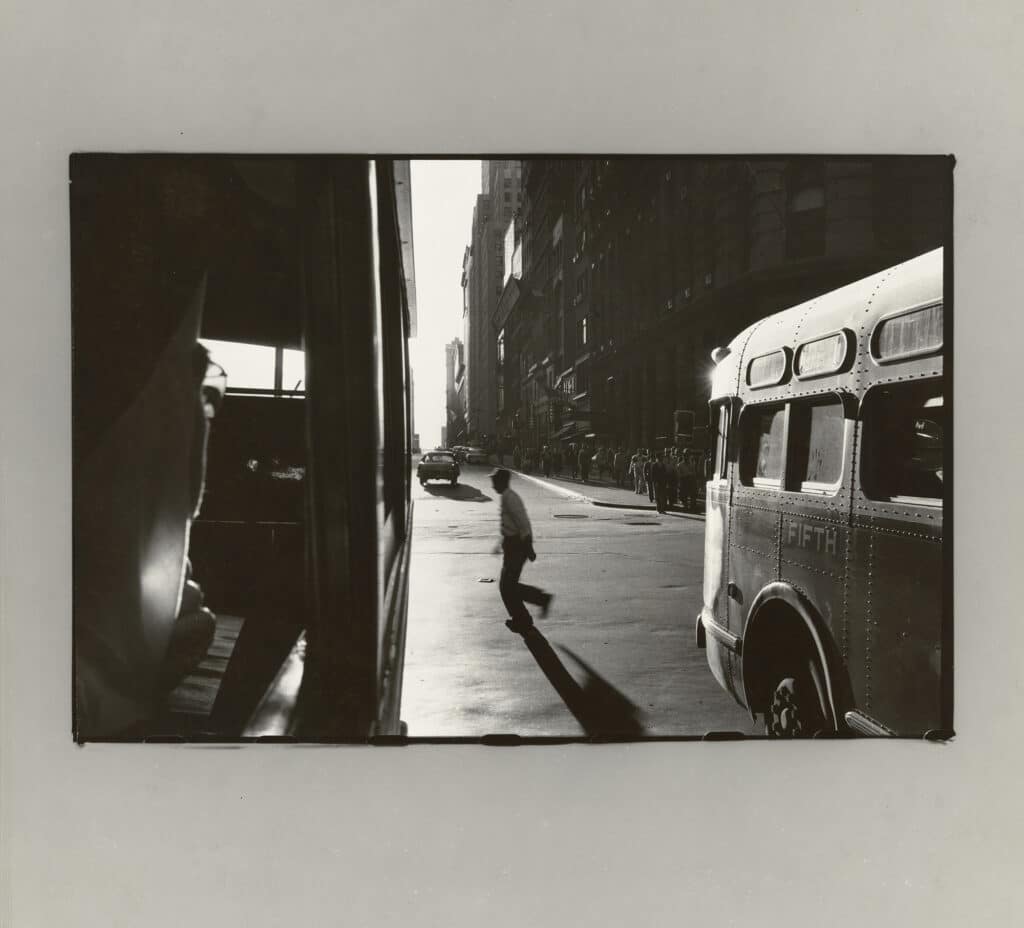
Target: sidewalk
603, 493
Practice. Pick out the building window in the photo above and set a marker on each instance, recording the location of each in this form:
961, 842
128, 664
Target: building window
581, 332
805, 210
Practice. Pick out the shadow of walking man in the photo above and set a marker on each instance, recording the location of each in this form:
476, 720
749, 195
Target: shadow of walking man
597, 705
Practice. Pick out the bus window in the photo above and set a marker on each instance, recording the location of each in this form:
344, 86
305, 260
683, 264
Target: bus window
720, 462
251, 366
763, 453
903, 428
254, 367
816, 445
293, 367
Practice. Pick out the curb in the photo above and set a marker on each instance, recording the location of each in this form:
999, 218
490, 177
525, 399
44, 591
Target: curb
571, 494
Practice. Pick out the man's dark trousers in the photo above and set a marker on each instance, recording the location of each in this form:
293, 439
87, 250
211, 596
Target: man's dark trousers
514, 593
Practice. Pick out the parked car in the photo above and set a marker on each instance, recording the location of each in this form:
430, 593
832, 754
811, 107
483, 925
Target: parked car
438, 465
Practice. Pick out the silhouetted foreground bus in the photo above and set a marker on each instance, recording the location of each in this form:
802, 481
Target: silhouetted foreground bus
294, 274
824, 605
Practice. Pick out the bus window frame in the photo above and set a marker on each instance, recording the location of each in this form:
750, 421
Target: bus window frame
784, 483
763, 483
844, 365
812, 487
723, 449
914, 353
783, 378
931, 503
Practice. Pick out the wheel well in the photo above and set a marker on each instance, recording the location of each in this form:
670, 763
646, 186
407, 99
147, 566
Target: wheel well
783, 633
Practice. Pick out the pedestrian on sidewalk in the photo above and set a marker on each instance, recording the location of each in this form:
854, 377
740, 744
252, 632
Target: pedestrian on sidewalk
516, 548
688, 481
546, 459
619, 463
648, 464
672, 478
584, 462
658, 477
517, 457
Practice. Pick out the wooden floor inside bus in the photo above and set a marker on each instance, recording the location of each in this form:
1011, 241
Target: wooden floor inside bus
189, 705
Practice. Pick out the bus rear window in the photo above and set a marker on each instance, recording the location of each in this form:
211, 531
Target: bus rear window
763, 450
903, 443
816, 431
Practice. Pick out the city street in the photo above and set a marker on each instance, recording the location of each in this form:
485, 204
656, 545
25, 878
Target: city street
616, 654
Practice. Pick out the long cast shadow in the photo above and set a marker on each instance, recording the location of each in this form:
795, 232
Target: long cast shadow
597, 705
462, 492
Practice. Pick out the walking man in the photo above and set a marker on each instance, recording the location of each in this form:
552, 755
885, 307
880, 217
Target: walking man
658, 481
516, 547
584, 462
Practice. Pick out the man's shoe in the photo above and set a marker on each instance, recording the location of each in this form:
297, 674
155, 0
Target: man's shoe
518, 628
548, 598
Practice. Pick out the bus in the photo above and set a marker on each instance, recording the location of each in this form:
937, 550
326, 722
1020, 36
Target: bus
826, 607
299, 272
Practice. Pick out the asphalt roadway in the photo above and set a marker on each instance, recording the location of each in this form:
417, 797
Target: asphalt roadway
614, 658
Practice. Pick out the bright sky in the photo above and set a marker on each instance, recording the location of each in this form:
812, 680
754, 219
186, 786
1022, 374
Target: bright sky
443, 196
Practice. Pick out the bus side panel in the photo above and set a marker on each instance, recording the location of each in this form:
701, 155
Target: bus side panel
904, 604
716, 553
753, 550
721, 660
812, 546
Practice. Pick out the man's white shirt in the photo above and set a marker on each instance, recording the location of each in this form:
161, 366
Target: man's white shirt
515, 523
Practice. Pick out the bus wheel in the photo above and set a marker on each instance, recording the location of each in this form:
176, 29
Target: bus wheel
795, 709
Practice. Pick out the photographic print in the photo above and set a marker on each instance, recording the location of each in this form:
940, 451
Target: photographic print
371, 449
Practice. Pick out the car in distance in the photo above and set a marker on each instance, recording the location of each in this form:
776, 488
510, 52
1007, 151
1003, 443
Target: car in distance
476, 456
438, 465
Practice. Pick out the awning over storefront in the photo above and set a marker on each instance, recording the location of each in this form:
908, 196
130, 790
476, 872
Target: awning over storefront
571, 430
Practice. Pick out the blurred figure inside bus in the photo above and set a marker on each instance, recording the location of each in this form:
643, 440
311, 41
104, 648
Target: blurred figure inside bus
144, 392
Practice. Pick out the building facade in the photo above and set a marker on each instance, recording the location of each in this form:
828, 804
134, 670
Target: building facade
483, 274
633, 270
454, 430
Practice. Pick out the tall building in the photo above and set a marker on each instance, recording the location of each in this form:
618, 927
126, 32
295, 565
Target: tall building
482, 280
455, 415
633, 270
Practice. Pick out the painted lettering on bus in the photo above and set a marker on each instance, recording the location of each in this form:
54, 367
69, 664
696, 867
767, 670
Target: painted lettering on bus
816, 537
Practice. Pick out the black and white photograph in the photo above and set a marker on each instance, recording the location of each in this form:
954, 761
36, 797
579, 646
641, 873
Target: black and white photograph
532, 448
492, 464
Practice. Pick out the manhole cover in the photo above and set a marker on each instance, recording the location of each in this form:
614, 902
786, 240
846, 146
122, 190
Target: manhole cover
570, 515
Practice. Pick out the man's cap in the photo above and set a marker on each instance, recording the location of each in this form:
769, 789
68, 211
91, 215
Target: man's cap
500, 472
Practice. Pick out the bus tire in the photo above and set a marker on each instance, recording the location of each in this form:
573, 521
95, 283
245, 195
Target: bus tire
795, 709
